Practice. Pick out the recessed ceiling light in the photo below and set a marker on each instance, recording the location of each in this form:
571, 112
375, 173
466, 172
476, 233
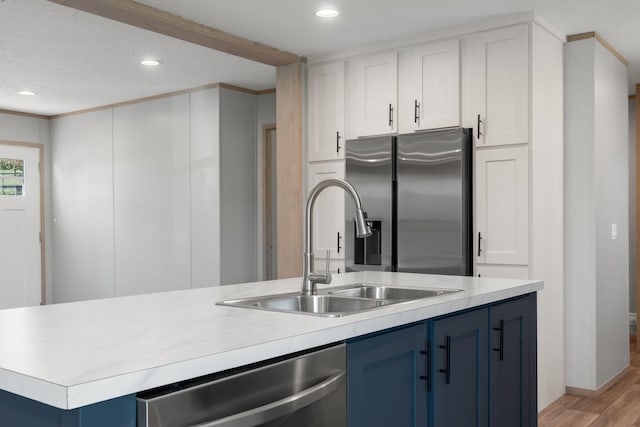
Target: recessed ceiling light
151, 62
327, 13
26, 92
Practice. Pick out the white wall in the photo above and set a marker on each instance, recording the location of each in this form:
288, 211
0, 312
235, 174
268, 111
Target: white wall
34, 130
596, 186
612, 192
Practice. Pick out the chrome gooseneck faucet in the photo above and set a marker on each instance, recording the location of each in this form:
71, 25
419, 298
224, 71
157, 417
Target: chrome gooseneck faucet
310, 278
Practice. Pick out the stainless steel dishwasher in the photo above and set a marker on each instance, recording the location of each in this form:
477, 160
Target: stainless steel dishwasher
305, 390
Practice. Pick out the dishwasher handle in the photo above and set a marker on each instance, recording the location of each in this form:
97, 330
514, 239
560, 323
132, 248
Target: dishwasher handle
282, 407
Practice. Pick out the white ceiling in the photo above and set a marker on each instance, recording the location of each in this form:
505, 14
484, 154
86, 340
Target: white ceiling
75, 60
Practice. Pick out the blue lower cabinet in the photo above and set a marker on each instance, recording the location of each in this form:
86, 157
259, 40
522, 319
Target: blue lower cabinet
459, 346
473, 368
387, 379
19, 411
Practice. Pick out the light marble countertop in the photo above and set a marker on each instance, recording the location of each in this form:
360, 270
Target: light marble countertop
74, 354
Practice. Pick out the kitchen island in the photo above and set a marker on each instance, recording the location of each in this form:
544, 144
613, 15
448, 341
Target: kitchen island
72, 355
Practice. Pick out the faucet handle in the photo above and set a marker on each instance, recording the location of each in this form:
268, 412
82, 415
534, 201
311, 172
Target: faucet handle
326, 267
322, 277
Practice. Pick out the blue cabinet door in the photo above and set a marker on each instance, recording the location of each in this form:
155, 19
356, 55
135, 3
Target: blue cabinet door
459, 370
386, 385
512, 369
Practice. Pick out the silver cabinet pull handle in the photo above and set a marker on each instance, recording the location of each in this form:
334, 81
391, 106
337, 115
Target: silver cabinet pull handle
279, 408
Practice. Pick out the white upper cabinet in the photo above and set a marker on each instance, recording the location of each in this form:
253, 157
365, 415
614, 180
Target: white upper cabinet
495, 85
326, 112
373, 95
429, 84
328, 214
502, 205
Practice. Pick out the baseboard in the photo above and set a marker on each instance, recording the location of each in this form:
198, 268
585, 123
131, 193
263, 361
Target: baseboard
576, 391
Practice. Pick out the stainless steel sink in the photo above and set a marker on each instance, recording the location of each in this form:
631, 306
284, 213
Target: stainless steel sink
339, 301
387, 293
318, 305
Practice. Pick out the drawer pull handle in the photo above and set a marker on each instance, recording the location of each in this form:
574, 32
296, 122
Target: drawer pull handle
500, 348
447, 370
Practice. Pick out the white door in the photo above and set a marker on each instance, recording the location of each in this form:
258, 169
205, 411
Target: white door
373, 85
20, 268
496, 85
430, 86
502, 206
326, 112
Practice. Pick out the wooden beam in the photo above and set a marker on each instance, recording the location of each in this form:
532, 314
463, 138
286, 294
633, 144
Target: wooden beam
289, 169
603, 42
159, 21
637, 260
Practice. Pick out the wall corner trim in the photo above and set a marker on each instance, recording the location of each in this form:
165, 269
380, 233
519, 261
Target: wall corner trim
603, 42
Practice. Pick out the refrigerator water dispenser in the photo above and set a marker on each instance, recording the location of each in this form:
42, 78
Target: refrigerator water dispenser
368, 250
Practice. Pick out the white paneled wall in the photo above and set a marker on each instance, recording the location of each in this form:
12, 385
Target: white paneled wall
141, 196
205, 188
82, 188
238, 192
152, 196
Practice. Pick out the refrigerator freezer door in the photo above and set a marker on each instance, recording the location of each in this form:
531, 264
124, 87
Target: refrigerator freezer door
433, 213
369, 168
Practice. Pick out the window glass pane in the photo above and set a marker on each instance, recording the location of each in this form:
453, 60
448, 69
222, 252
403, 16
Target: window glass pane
11, 177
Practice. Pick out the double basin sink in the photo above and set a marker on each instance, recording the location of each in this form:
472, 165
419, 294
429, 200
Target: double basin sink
339, 301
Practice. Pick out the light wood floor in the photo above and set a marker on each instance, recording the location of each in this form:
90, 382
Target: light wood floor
617, 406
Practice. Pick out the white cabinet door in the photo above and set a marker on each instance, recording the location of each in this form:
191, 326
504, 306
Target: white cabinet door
328, 214
496, 85
430, 86
326, 112
373, 89
502, 206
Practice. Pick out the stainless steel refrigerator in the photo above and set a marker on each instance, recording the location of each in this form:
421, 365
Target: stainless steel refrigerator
416, 190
